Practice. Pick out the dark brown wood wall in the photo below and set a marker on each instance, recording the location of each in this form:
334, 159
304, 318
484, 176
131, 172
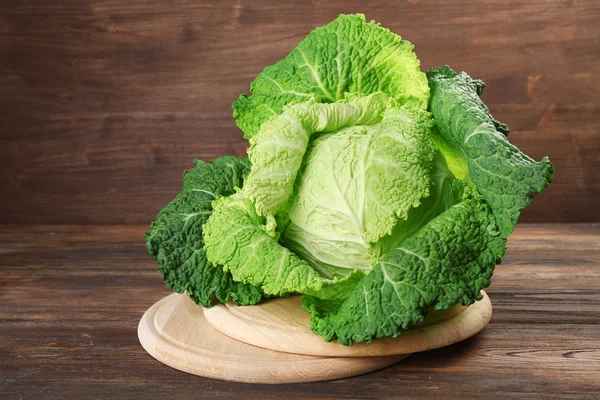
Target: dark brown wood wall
104, 103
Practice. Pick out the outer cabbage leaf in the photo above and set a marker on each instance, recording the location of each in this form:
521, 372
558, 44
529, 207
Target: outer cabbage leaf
447, 261
505, 176
175, 238
234, 238
347, 55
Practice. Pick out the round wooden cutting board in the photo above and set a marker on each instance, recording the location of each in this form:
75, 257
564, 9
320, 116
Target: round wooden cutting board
175, 332
281, 325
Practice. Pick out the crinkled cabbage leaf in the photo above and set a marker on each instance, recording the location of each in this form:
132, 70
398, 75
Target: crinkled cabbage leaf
175, 239
505, 176
347, 55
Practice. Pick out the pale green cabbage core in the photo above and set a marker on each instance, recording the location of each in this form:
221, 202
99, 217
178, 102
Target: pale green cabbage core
337, 191
360, 190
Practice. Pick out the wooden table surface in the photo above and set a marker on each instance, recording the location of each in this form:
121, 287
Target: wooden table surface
71, 298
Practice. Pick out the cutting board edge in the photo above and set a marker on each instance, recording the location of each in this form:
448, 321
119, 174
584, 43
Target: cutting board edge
305, 369
461, 326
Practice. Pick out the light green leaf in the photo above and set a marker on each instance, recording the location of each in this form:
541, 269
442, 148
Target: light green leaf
347, 55
277, 151
233, 238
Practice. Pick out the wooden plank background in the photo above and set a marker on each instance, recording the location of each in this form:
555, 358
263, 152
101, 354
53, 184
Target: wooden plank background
104, 103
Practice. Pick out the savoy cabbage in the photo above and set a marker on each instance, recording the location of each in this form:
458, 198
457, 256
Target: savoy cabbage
373, 189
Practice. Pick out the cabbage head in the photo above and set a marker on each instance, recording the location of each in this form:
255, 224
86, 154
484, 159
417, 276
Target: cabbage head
374, 190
